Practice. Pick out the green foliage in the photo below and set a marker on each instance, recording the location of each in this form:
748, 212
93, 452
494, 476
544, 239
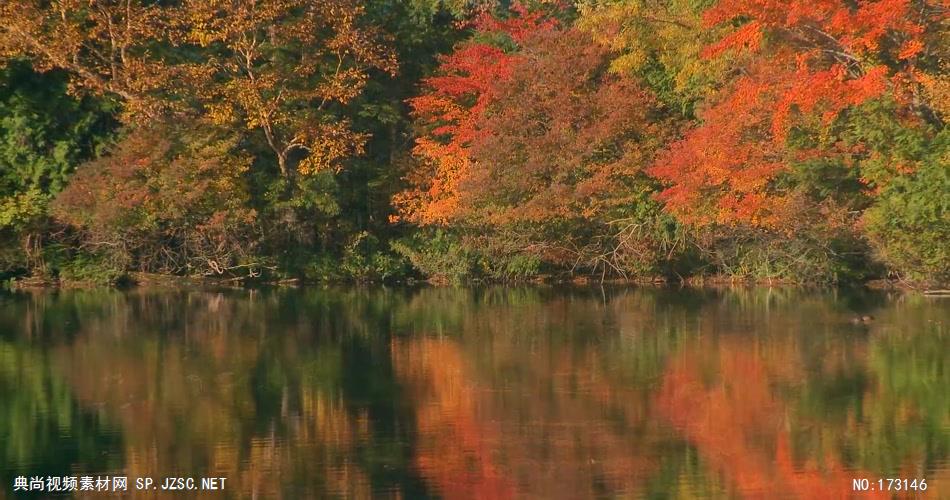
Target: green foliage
44, 134
661, 43
444, 256
18, 210
441, 256
909, 222
12, 260
365, 260
906, 170
81, 268
518, 266
808, 255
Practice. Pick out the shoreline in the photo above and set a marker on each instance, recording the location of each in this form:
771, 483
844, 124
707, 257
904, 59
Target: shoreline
167, 281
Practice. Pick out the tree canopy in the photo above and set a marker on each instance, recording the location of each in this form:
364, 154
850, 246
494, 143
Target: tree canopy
649, 139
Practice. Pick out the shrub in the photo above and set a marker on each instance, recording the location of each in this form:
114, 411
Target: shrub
168, 199
909, 222
83, 268
441, 256
364, 260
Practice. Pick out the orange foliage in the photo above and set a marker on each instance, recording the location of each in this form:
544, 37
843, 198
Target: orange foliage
715, 175
807, 61
103, 45
469, 74
823, 25
538, 135
564, 140
280, 67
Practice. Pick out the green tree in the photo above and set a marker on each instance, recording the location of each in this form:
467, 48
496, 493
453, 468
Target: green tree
44, 135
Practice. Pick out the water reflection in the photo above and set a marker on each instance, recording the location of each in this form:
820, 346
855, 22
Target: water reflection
490, 393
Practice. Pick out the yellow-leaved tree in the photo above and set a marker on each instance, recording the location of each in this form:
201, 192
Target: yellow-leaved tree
286, 68
660, 41
107, 47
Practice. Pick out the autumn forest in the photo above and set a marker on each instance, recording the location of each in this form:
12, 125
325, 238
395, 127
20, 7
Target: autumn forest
450, 140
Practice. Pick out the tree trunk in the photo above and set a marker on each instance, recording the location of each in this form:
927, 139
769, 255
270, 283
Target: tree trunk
282, 163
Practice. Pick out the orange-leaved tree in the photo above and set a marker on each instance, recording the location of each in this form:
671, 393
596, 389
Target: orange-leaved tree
563, 140
538, 149
558, 163
805, 65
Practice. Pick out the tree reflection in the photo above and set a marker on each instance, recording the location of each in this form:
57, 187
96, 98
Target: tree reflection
456, 443
478, 393
43, 428
726, 401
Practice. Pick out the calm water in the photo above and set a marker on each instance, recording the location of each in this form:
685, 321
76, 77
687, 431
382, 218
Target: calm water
489, 393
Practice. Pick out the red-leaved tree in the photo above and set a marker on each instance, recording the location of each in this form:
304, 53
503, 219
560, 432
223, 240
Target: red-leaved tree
454, 99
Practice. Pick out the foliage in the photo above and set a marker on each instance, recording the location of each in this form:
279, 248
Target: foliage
530, 141
166, 199
84, 268
559, 161
275, 66
661, 42
809, 255
819, 60
365, 260
335, 139
106, 47
561, 140
909, 223
44, 133
466, 84
775, 149
441, 256
278, 66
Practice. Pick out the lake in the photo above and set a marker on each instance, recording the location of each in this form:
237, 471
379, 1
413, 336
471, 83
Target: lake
497, 392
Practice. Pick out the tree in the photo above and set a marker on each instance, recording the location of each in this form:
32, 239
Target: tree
109, 47
539, 151
660, 42
44, 134
419, 32
167, 198
559, 161
457, 96
908, 222
786, 154
279, 77
562, 140
807, 64
277, 66
280, 66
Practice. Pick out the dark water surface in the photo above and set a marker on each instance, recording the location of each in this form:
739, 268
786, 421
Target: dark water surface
487, 393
